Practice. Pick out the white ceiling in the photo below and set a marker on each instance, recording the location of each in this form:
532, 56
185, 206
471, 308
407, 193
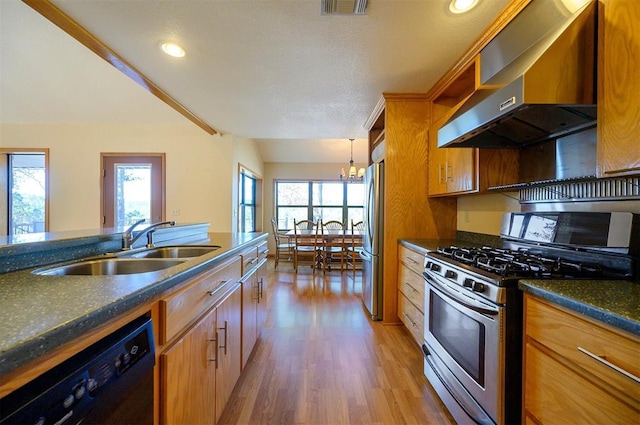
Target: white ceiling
276, 71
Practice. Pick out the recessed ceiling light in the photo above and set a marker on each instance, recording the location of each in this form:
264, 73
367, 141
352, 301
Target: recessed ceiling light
462, 6
172, 49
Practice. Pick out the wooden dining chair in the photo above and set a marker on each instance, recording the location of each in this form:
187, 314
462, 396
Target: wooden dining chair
306, 244
353, 248
332, 235
284, 246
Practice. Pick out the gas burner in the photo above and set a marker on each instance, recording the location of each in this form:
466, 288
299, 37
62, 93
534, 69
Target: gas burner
520, 263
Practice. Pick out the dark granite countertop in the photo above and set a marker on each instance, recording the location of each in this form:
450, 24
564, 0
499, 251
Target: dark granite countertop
39, 313
615, 302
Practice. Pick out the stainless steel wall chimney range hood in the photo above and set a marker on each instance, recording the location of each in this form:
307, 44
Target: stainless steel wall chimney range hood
537, 80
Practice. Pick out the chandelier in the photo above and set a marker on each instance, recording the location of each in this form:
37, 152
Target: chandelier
353, 174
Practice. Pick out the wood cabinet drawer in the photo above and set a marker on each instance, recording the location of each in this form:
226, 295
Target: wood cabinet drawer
411, 285
412, 259
579, 339
555, 394
263, 250
182, 307
412, 318
249, 259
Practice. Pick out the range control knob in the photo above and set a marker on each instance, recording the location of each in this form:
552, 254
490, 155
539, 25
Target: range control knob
435, 267
468, 283
451, 274
67, 402
477, 287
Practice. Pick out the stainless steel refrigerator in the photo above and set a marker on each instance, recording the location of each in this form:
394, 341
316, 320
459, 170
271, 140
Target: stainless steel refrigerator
372, 240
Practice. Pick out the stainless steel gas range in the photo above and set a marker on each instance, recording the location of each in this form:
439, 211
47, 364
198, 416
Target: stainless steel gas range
473, 308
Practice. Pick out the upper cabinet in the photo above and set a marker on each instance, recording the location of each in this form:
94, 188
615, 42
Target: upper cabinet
618, 88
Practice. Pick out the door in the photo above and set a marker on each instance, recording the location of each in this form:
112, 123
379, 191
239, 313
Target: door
132, 189
188, 374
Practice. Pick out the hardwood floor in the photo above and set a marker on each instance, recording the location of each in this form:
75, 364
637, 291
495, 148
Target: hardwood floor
320, 360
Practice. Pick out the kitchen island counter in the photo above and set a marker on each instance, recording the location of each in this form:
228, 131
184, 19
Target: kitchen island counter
39, 313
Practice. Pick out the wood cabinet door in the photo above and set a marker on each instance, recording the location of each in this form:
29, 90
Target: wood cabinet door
460, 170
451, 170
188, 376
618, 88
249, 316
437, 162
261, 313
229, 316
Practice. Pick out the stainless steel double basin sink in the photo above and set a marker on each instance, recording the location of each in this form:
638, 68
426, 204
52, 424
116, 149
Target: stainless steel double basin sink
134, 262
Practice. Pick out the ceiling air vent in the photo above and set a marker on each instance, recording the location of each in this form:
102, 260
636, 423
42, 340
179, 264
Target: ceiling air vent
343, 7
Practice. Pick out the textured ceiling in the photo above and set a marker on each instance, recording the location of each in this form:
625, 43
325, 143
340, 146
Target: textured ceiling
268, 70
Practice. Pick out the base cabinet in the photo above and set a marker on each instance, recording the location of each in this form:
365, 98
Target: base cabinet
209, 328
228, 318
253, 308
566, 374
249, 315
188, 376
261, 305
200, 370
411, 291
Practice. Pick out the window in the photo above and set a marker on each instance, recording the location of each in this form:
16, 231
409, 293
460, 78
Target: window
24, 191
247, 202
317, 200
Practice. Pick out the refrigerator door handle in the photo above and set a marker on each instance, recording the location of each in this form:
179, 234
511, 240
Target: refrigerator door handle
365, 256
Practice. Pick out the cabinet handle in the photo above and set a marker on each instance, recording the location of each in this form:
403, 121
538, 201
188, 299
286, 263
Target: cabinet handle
224, 282
411, 259
255, 260
446, 172
226, 324
409, 319
215, 359
602, 360
439, 173
260, 293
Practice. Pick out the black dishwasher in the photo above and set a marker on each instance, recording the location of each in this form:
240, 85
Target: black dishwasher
110, 382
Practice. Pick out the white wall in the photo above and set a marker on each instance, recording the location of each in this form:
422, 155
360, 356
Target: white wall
200, 169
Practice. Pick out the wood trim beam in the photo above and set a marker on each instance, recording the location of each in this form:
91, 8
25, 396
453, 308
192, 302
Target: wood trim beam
75, 30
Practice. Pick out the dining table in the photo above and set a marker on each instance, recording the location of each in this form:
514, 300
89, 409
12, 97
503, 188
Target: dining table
328, 237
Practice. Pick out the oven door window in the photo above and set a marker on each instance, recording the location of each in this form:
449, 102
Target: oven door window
461, 336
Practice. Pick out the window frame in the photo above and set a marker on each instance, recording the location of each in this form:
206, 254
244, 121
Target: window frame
310, 206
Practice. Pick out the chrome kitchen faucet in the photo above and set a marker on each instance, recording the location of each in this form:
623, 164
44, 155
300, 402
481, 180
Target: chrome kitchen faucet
127, 237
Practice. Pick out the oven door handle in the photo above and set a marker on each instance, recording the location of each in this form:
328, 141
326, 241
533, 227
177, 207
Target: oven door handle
444, 289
